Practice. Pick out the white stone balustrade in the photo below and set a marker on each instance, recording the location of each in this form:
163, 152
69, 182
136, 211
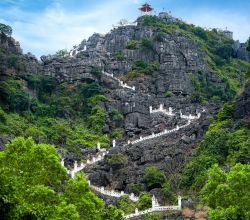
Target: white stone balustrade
121, 83
190, 117
94, 160
113, 193
114, 143
153, 135
155, 208
109, 74
161, 109
124, 85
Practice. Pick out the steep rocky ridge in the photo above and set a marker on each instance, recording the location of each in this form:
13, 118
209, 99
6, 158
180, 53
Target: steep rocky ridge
13, 62
180, 59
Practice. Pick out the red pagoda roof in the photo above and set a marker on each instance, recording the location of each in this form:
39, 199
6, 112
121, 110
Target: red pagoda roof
146, 8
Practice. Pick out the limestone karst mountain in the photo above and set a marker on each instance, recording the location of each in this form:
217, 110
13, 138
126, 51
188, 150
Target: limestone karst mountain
146, 90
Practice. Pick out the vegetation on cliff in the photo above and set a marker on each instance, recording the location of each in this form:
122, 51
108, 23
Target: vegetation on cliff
218, 55
71, 116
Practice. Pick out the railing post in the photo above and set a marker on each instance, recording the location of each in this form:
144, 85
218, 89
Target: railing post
98, 146
170, 110
179, 202
161, 107
72, 174
75, 166
150, 109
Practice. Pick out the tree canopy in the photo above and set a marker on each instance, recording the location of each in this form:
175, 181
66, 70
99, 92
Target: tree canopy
34, 185
228, 194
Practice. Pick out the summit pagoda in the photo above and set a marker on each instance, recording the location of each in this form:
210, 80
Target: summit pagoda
146, 8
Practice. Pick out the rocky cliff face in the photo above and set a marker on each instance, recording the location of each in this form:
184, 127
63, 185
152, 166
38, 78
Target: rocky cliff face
242, 106
13, 62
179, 58
240, 51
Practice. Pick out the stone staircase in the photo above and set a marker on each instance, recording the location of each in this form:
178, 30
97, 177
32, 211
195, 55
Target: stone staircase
103, 152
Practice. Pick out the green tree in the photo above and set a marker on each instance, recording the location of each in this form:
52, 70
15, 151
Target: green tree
153, 177
148, 43
168, 94
13, 96
89, 90
34, 185
125, 204
116, 117
62, 53
132, 44
65, 211
30, 175
200, 32
151, 216
77, 192
167, 192
112, 213
228, 194
118, 159
96, 119
145, 201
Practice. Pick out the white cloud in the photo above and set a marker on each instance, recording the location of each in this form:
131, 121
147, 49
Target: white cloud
57, 28
234, 21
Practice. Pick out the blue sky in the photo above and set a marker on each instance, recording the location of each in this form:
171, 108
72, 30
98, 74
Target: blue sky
46, 26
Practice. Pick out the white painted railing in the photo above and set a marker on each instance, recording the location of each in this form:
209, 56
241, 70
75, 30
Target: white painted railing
113, 193
121, 83
190, 117
77, 168
170, 110
100, 156
161, 109
165, 132
155, 208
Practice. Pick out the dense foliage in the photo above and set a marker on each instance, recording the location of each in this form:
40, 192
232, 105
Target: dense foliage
154, 178
34, 185
228, 194
53, 113
131, 44
223, 143
62, 53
